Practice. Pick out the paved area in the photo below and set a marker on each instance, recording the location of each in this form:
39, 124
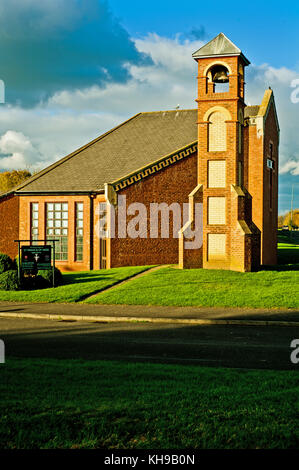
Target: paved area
255, 347
214, 315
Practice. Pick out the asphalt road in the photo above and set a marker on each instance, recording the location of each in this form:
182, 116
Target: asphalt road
257, 347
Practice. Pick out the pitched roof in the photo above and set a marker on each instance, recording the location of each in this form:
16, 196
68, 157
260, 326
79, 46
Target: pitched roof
218, 47
124, 150
141, 140
251, 111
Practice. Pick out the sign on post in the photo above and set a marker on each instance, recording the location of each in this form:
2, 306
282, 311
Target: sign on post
36, 257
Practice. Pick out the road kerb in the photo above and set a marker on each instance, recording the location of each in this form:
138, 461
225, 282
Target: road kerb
119, 319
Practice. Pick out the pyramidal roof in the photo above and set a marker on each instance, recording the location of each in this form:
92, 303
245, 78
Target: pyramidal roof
218, 47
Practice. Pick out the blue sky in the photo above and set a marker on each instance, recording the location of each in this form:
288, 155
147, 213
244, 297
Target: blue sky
75, 68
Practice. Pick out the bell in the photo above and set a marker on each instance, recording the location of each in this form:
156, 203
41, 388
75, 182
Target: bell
220, 77
220, 74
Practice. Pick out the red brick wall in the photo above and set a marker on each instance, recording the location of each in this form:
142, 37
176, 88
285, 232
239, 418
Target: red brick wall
257, 176
173, 184
9, 225
270, 214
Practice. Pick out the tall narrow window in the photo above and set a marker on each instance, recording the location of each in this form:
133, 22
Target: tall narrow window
57, 228
240, 174
270, 188
240, 133
217, 132
79, 231
34, 222
103, 234
271, 167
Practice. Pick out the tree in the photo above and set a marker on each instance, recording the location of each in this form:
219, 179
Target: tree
280, 220
10, 179
292, 222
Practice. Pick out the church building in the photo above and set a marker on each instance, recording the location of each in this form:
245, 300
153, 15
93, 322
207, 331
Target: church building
221, 157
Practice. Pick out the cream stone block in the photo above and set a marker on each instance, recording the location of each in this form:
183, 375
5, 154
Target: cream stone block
216, 246
216, 211
217, 132
217, 173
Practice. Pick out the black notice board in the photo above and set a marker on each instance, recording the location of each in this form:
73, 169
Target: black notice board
34, 256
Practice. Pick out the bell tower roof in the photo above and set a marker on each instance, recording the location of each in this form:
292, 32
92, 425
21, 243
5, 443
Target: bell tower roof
220, 46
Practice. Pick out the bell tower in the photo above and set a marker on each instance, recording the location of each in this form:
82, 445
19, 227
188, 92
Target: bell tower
226, 203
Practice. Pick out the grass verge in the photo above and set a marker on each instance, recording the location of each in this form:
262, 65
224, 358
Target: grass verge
106, 404
77, 285
272, 287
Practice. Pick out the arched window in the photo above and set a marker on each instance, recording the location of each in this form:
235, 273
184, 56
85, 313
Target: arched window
217, 132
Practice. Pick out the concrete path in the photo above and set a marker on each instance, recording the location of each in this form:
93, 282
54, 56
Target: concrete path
125, 281
154, 314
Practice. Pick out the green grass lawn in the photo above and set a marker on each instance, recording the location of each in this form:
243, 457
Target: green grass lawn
106, 404
77, 286
271, 287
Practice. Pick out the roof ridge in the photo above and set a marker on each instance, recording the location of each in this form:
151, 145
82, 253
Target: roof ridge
69, 156
168, 111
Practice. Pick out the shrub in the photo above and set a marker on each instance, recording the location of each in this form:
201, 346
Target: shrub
6, 263
9, 280
47, 274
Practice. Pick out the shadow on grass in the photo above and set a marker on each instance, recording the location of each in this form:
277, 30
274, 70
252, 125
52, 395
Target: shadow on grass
76, 278
281, 267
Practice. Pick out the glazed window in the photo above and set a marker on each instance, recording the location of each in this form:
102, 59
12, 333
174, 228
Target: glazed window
79, 231
34, 221
57, 228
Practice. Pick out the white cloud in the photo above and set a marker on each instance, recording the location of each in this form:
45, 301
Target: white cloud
280, 79
169, 80
17, 149
290, 166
